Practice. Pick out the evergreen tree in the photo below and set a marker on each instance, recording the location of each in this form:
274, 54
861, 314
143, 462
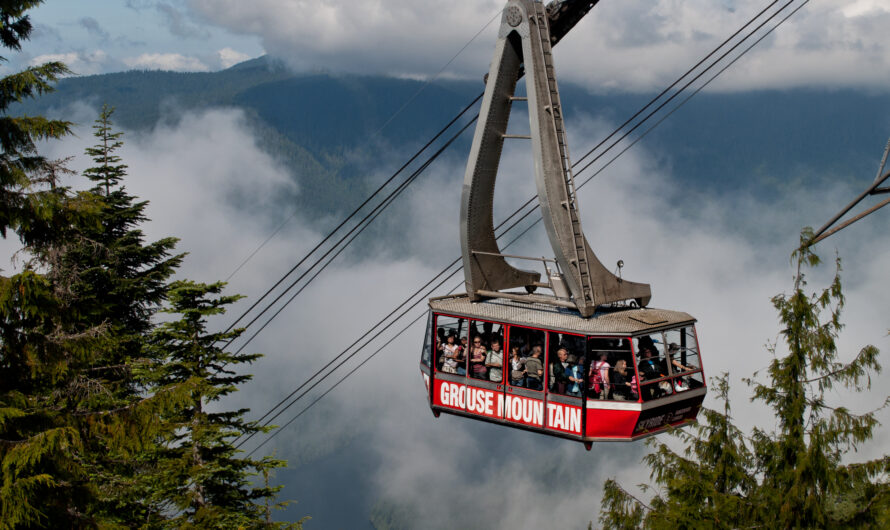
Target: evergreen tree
80, 423
201, 479
37, 345
119, 281
74, 323
794, 477
19, 159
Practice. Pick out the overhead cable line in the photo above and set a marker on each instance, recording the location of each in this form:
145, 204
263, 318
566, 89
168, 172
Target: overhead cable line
874, 189
656, 124
365, 223
675, 83
688, 83
522, 217
349, 218
393, 116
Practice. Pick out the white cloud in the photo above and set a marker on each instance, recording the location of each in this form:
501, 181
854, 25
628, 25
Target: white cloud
166, 61
861, 8
229, 57
637, 46
81, 63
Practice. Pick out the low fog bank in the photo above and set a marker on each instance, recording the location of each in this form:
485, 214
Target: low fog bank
373, 444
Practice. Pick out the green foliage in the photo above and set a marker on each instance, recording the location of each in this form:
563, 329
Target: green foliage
19, 134
201, 479
796, 476
90, 409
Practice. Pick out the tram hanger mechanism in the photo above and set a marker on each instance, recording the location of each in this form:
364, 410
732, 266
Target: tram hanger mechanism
588, 362
525, 41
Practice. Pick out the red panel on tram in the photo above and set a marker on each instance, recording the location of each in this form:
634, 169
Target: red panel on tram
610, 423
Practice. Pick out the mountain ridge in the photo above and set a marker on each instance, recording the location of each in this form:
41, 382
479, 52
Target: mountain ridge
330, 126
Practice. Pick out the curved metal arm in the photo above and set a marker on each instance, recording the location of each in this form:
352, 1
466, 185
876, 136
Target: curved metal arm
525, 42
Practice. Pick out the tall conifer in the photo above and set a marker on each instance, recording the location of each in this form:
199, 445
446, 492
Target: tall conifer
75, 324
802, 474
201, 478
42, 480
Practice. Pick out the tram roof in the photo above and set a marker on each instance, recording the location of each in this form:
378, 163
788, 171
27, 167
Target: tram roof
610, 321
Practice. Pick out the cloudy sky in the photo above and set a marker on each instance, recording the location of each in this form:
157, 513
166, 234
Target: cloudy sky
622, 45
374, 440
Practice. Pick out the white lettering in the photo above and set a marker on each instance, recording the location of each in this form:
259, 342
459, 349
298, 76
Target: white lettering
574, 418
560, 417
536, 413
444, 395
514, 408
489, 404
555, 420
474, 400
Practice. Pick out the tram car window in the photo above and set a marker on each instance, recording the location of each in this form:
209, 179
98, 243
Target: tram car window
451, 334
566, 358
427, 353
480, 355
526, 357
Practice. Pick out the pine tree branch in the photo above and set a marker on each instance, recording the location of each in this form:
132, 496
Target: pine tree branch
638, 501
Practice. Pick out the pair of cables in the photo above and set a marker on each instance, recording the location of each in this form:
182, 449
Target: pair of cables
727, 53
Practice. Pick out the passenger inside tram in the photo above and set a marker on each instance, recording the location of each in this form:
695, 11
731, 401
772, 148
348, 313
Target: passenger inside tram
517, 367
575, 375
677, 365
494, 361
534, 369
558, 378
450, 354
477, 358
623, 387
650, 368
599, 376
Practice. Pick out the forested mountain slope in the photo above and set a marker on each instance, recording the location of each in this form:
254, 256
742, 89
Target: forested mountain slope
335, 129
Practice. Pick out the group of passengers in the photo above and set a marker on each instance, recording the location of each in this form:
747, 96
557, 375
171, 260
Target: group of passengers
486, 360
610, 376
613, 380
653, 367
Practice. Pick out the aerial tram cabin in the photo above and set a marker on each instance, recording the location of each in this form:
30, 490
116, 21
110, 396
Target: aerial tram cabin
588, 362
648, 399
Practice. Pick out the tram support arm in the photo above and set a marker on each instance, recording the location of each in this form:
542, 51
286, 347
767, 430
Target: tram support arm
824, 231
565, 14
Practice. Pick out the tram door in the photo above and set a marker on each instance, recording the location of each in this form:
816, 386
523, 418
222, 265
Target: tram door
567, 370
525, 372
